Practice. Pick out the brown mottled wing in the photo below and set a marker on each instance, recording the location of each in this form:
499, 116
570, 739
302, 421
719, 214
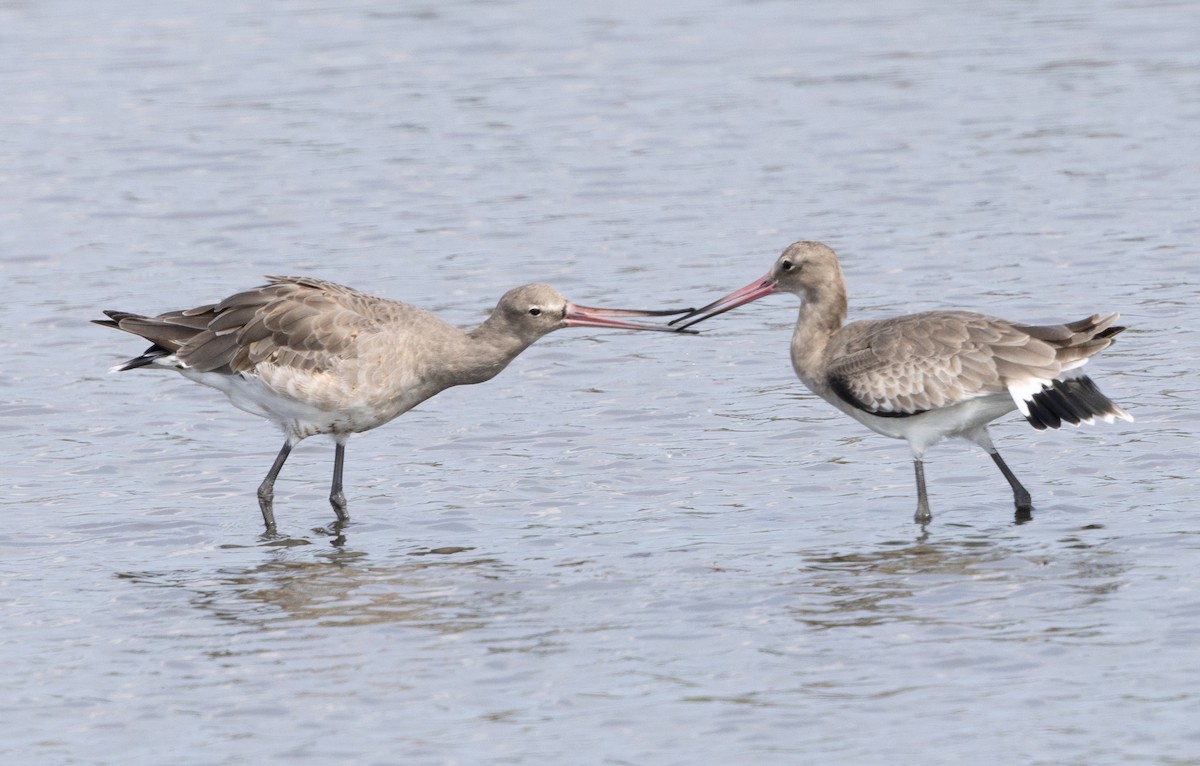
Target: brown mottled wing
907, 365
298, 322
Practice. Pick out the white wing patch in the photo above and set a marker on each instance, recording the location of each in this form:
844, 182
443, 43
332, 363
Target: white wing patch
1022, 391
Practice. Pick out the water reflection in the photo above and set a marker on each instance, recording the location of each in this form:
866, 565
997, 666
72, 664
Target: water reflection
343, 588
975, 584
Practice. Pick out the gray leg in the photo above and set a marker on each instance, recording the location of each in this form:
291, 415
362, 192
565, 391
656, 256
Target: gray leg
1021, 497
922, 516
336, 498
266, 490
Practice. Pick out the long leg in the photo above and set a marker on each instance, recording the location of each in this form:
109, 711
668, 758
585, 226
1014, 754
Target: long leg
1021, 496
336, 498
922, 516
266, 490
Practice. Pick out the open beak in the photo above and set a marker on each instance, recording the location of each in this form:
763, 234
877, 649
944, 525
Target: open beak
587, 316
751, 292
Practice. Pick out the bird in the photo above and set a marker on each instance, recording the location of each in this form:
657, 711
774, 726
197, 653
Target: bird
316, 357
932, 375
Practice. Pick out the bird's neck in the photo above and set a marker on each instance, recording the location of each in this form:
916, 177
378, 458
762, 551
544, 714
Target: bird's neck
822, 313
487, 350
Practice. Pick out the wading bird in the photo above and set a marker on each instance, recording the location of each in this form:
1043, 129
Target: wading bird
924, 377
316, 357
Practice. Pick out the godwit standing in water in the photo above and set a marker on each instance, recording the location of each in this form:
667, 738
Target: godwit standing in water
315, 357
923, 377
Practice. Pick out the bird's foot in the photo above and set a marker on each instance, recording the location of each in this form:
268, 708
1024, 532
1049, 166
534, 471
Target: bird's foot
338, 501
266, 500
1024, 506
922, 516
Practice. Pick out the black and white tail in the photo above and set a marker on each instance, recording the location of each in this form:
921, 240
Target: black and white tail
1070, 400
1049, 400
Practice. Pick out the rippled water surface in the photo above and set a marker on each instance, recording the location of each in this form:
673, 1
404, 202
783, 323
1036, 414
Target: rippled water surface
627, 548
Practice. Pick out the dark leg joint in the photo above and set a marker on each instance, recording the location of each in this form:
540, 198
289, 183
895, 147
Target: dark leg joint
923, 515
1021, 497
336, 497
266, 490
338, 501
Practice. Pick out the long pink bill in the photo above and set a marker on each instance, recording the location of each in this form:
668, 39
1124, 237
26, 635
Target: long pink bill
751, 292
588, 316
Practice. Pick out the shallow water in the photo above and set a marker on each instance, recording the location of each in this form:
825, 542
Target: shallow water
626, 549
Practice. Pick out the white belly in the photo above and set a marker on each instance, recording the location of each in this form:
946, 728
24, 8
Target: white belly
326, 412
928, 428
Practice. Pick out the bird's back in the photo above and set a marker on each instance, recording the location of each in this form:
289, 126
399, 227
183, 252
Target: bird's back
931, 360
298, 347
916, 362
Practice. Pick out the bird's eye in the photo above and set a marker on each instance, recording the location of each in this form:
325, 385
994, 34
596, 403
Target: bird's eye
787, 265
535, 312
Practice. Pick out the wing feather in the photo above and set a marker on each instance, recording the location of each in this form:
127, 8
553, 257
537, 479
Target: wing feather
305, 324
911, 364
907, 365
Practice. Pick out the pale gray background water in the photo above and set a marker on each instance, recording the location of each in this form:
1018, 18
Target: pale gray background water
669, 552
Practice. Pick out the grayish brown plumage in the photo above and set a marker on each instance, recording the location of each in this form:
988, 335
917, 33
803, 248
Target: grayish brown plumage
320, 358
924, 377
